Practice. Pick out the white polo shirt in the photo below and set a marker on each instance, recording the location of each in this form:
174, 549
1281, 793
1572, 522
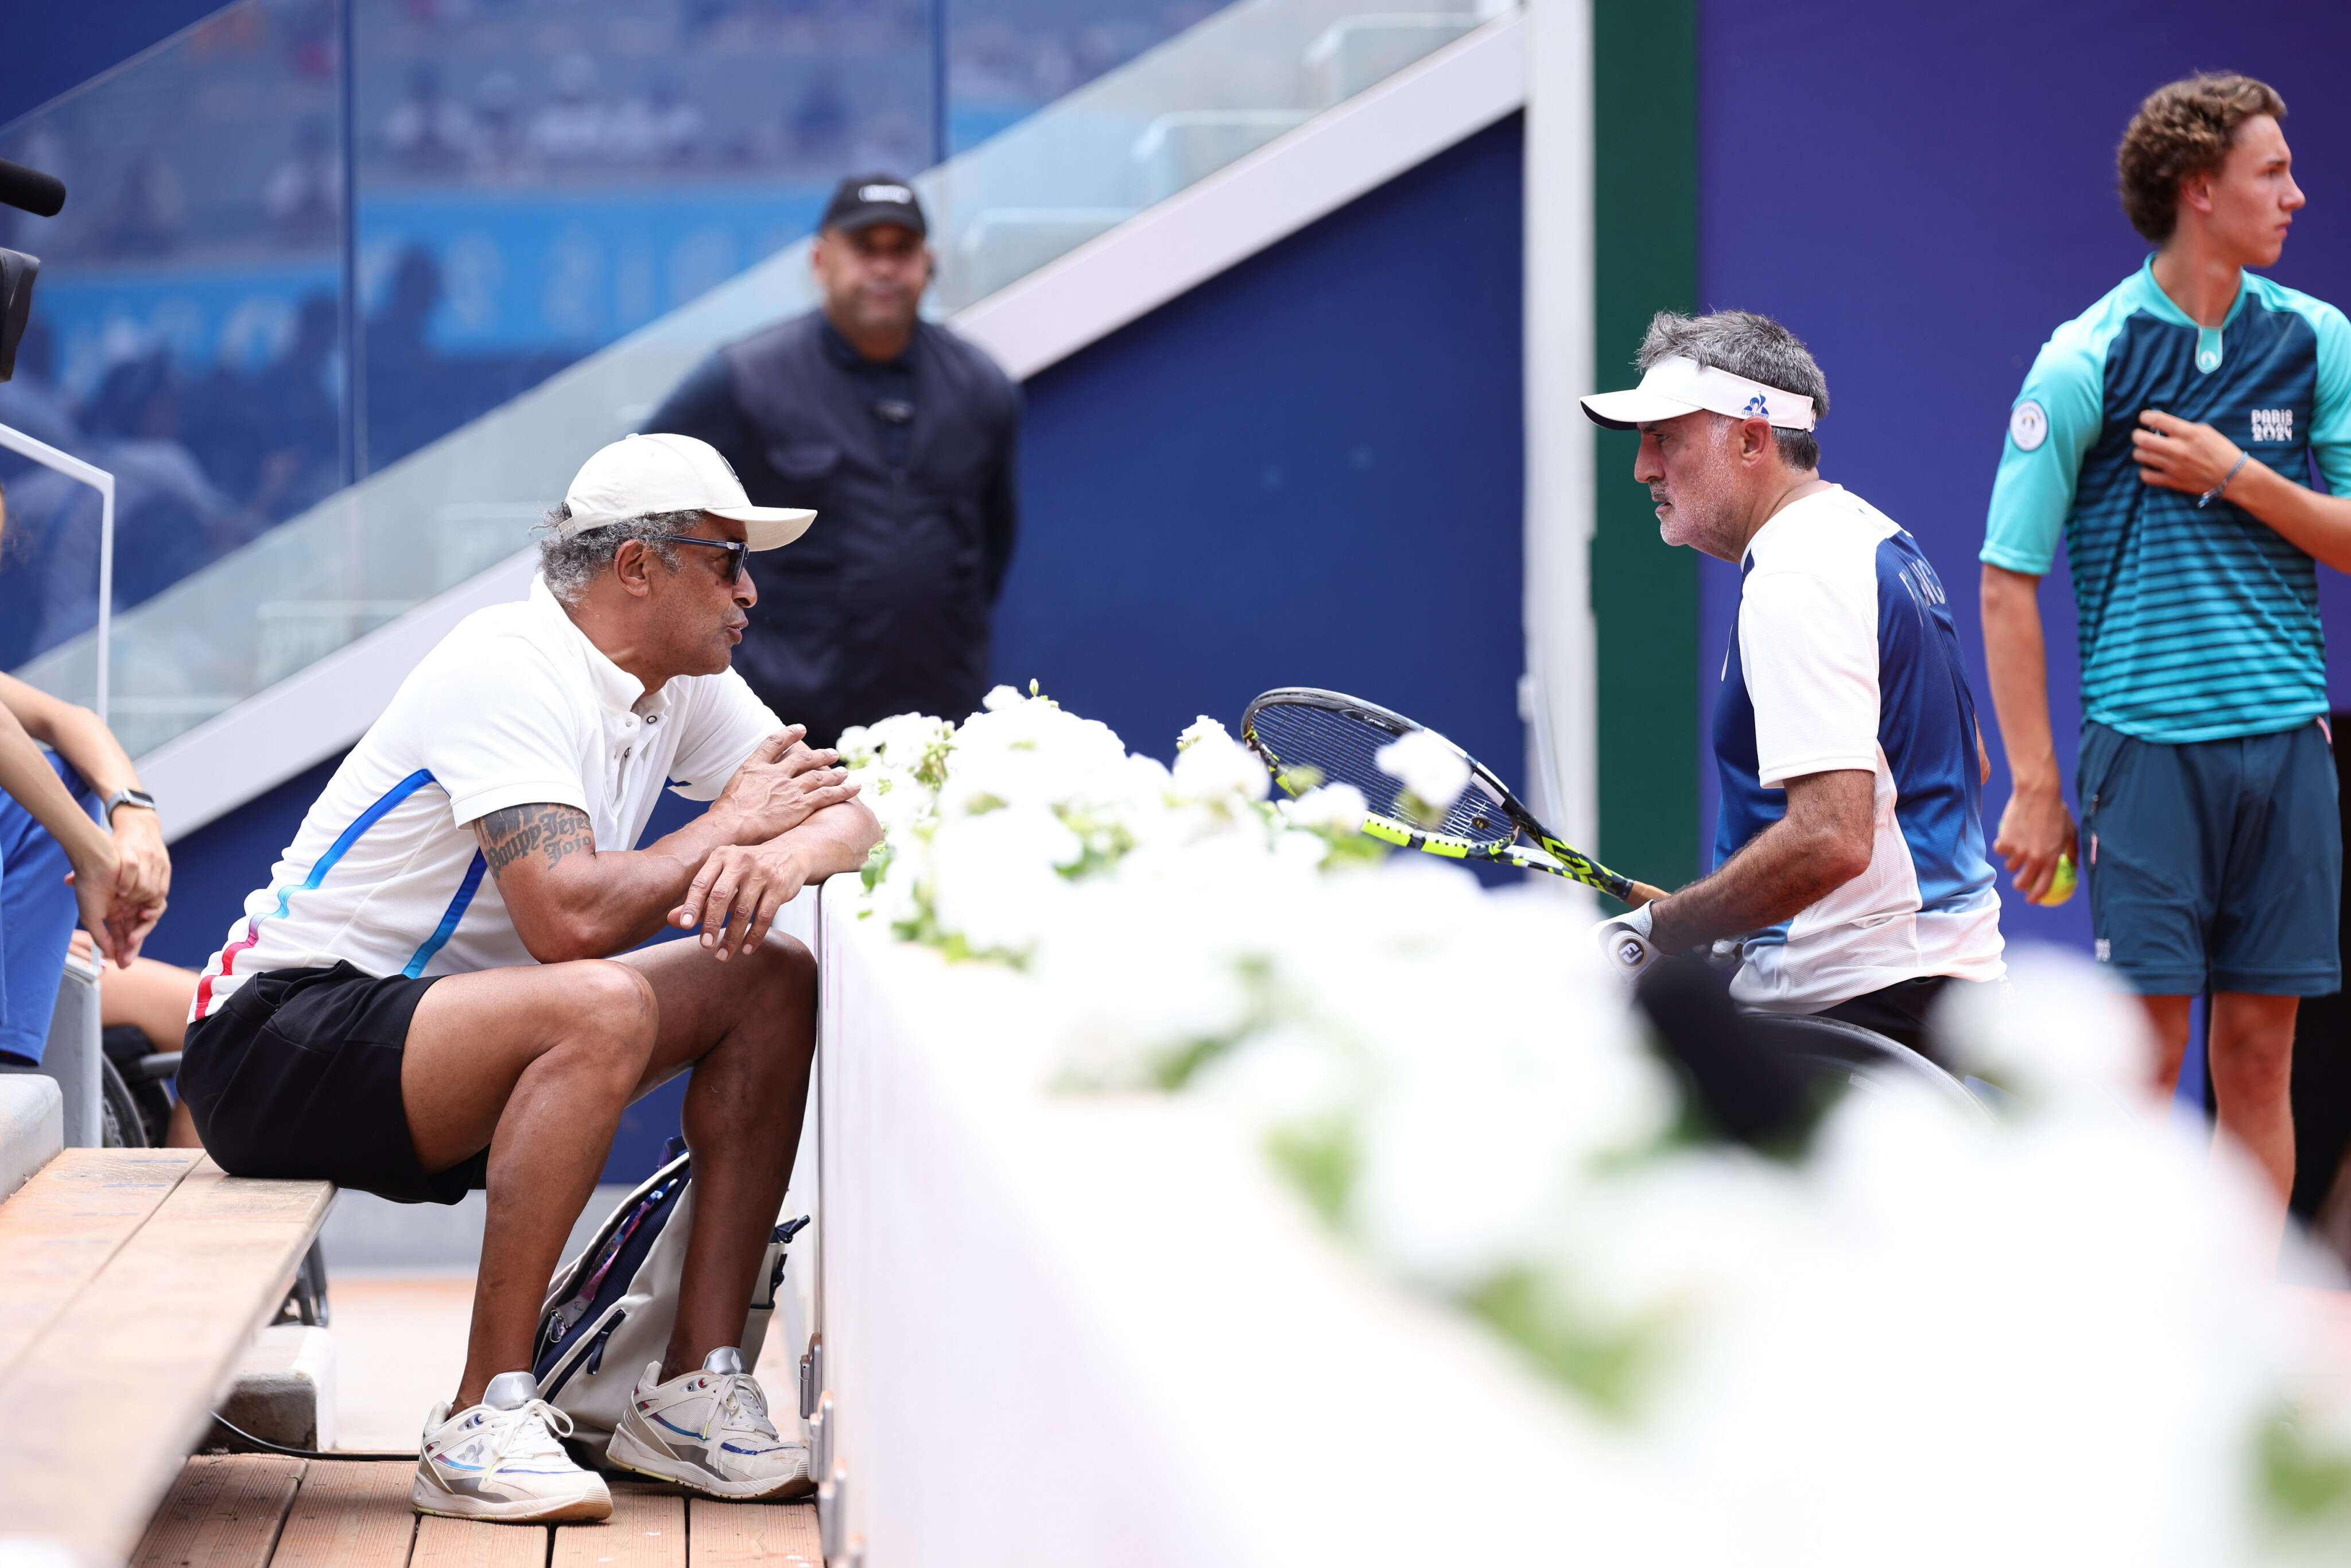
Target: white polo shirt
514, 706
1845, 658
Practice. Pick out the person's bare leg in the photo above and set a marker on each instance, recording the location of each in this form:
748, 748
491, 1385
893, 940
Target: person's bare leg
748, 1028
2167, 1016
536, 1064
152, 996
2253, 1079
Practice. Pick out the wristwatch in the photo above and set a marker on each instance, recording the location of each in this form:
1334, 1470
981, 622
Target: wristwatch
120, 798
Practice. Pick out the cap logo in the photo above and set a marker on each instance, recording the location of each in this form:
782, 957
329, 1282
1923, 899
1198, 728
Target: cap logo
884, 193
1678, 385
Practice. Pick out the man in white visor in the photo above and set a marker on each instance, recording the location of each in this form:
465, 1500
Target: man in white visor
442, 987
1849, 846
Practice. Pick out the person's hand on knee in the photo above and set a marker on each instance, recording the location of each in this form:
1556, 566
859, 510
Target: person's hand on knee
736, 893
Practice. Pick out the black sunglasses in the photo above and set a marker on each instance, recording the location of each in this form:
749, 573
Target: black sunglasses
735, 548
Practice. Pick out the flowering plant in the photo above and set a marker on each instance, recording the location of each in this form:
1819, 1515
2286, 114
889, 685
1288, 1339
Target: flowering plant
991, 825
2046, 1330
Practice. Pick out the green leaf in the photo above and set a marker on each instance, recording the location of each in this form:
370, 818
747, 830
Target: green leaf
1322, 1157
2303, 1481
1610, 1367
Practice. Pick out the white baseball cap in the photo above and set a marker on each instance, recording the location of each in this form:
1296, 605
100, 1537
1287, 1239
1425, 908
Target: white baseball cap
1678, 385
643, 473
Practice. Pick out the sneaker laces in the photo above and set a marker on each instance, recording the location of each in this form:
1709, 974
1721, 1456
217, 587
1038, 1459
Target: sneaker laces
738, 1394
529, 1431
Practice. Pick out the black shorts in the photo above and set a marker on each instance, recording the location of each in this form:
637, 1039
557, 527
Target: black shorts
1900, 1011
297, 1076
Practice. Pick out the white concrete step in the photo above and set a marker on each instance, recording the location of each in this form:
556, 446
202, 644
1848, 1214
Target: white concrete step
32, 1127
285, 1387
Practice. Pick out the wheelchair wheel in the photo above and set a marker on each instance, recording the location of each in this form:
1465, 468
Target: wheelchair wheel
1833, 1050
144, 1072
119, 1123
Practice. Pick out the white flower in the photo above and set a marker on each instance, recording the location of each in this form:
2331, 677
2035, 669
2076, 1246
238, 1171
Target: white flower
1934, 1302
901, 740
1211, 766
995, 878
898, 761
1338, 808
1433, 772
2060, 1031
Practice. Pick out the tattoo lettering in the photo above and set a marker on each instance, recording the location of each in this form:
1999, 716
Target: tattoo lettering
559, 830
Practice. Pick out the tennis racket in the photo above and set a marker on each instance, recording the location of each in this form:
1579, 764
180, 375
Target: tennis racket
1308, 737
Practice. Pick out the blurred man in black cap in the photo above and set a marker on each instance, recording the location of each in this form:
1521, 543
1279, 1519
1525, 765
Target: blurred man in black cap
902, 436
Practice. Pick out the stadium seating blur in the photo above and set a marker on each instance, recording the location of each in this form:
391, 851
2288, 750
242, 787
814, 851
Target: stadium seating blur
340, 334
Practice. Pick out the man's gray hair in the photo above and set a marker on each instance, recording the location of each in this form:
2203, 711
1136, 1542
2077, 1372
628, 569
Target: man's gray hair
1749, 345
570, 565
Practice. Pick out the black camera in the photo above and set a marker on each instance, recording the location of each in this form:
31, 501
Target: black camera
43, 196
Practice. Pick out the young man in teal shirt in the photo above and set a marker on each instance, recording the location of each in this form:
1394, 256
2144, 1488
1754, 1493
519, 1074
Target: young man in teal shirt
2164, 434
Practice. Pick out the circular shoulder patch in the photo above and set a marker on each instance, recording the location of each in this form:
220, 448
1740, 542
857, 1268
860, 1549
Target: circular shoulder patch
2028, 425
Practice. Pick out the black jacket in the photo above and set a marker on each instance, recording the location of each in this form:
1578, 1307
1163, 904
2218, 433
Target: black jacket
882, 606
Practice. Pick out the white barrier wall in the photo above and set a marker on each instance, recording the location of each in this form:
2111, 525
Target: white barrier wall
1085, 1331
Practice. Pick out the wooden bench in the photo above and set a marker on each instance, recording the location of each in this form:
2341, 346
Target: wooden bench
132, 1281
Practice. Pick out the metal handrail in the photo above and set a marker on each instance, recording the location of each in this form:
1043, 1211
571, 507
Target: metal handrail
97, 479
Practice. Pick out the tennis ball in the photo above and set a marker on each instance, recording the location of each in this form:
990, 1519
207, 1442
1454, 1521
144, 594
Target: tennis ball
2061, 887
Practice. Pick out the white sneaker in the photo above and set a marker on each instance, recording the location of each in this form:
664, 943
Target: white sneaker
500, 1460
709, 1432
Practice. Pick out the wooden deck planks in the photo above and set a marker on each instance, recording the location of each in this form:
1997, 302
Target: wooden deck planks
61, 1228
250, 1511
471, 1543
739, 1534
223, 1513
647, 1530
348, 1515
156, 1335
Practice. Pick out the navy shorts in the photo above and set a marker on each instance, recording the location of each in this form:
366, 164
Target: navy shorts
2217, 861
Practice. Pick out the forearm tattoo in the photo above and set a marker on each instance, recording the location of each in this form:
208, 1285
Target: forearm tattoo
558, 831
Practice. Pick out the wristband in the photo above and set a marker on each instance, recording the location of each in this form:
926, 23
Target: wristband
2206, 498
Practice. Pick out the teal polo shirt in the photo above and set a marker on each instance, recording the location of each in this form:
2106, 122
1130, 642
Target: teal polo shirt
2195, 624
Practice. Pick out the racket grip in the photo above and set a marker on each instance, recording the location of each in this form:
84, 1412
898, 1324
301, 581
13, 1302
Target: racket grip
1642, 893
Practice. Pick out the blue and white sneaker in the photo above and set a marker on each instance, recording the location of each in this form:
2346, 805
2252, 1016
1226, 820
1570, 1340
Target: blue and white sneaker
500, 1460
708, 1431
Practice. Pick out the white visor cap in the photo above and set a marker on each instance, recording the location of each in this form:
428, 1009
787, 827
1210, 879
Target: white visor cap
1681, 385
644, 474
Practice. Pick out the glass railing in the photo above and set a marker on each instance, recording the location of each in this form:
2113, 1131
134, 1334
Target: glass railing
346, 288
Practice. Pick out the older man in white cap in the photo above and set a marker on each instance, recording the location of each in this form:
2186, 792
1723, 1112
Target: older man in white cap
389, 1018
1849, 845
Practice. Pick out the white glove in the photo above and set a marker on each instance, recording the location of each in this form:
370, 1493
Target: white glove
1624, 943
